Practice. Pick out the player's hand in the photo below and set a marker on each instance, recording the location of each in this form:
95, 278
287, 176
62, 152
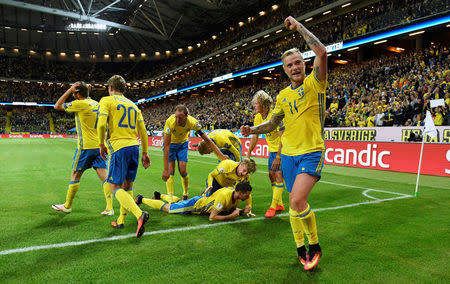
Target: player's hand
146, 160
276, 164
225, 157
248, 211
74, 86
291, 23
103, 152
237, 212
165, 175
207, 190
245, 130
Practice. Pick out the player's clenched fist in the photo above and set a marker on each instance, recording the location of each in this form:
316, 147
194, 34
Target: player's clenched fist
245, 130
291, 23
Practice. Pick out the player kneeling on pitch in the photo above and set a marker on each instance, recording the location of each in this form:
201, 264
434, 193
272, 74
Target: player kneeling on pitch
221, 205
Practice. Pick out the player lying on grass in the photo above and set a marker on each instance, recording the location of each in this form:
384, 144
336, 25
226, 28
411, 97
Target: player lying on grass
221, 205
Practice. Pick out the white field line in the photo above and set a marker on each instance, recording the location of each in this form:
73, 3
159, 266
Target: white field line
69, 244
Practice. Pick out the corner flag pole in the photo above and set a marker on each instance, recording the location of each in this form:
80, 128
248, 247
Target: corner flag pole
430, 130
420, 164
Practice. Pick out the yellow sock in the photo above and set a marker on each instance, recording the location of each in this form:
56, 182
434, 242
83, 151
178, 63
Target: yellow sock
297, 228
185, 184
309, 225
170, 186
127, 202
277, 197
155, 204
73, 189
123, 210
108, 196
167, 198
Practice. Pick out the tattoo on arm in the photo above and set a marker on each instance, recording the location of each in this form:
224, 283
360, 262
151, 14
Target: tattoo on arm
268, 126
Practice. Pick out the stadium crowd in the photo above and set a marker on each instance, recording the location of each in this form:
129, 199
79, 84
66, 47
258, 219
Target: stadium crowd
381, 15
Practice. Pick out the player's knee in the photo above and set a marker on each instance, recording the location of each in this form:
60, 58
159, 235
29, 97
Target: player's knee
298, 202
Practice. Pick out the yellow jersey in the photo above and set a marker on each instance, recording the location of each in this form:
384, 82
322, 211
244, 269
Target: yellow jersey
221, 200
272, 138
226, 174
303, 109
86, 112
180, 134
123, 116
225, 139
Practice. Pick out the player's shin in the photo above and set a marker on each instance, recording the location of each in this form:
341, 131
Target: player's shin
71, 192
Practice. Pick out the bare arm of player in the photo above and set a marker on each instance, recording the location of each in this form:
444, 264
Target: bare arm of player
213, 146
320, 62
252, 145
101, 130
144, 141
265, 127
59, 103
214, 215
166, 171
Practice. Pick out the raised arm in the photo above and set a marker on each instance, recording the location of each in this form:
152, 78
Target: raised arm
265, 127
59, 103
320, 62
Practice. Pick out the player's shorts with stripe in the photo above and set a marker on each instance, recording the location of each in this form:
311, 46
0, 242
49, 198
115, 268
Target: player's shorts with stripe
310, 163
123, 165
85, 159
184, 207
178, 151
272, 156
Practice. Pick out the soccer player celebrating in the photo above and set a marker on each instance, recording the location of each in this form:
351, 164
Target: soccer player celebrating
228, 143
262, 103
227, 174
87, 154
221, 205
302, 106
176, 144
123, 121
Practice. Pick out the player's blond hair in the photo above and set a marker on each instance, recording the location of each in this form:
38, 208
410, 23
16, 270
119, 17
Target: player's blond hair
202, 147
182, 108
263, 98
117, 83
250, 164
290, 52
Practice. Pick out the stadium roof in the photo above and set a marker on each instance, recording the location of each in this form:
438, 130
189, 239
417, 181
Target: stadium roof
131, 25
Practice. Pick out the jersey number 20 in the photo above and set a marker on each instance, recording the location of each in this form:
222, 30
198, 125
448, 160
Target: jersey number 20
129, 113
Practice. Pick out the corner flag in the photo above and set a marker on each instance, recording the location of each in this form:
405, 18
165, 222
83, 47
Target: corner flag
430, 129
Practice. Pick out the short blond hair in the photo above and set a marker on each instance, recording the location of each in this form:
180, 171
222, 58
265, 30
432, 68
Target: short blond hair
182, 108
263, 98
290, 52
117, 83
250, 164
203, 147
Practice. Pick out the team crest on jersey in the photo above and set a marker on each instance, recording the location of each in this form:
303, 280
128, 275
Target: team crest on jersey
219, 206
221, 170
198, 125
300, 92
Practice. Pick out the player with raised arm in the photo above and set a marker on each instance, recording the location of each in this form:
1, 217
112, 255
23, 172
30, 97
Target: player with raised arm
262, 103
302, 106
176, 144
221, 206
87, 154
123, 121
227, 142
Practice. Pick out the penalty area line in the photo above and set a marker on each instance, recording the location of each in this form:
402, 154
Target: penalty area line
190, 228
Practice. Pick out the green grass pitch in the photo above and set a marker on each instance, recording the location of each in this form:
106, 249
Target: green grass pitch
367, 236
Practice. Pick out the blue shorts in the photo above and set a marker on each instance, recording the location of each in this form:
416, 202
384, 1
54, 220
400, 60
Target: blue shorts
272, 156
184, 207
85, 159
178, 151
310, 163
123, 165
